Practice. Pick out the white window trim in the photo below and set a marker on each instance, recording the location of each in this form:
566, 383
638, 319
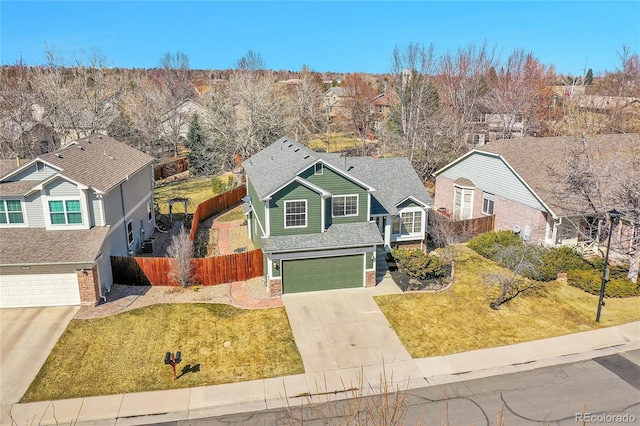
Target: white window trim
23, 210
489, 198
83, 211
463, 189
344, 196
150, 212
306, 214
133, 236
413, 210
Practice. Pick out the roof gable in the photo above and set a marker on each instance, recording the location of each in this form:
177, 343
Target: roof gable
97, 161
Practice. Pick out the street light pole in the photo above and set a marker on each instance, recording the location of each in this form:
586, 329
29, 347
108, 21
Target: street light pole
613, 215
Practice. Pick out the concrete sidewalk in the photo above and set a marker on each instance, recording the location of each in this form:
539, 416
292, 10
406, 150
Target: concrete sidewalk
193, 403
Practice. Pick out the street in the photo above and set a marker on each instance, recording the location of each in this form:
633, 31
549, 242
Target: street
600, 391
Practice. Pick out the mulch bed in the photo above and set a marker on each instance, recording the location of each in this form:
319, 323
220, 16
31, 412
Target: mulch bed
408, 283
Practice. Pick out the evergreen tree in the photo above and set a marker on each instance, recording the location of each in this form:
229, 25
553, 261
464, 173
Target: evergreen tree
199, 156
588, 79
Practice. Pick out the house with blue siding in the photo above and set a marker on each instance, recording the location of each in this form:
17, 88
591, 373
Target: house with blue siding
525, 184
319, 218
67, 212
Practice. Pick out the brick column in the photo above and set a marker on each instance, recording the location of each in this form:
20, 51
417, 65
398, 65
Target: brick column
370, 279
89, 286
275, 288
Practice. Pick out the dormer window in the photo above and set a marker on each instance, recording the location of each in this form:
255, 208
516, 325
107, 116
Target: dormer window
65, 212
319, 169
11, 212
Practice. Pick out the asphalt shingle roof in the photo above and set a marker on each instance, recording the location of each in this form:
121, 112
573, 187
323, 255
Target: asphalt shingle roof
277, 164
342, 235
541, 162
393, 178
50, 247
98, 161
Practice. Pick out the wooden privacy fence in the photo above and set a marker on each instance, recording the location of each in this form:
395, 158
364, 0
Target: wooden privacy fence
206, 271
216, 205
170, 168
468, 228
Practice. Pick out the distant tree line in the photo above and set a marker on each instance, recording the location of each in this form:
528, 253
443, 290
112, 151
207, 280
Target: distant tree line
435, 109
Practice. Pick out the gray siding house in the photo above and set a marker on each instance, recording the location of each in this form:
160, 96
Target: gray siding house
524, 183
320, 217
63, 214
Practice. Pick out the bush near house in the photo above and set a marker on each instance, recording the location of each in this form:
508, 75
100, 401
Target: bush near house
418, 264
591, 280
488, 244
561, 259
581, 273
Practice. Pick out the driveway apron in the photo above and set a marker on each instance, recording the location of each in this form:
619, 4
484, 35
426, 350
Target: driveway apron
342, 329
27, 336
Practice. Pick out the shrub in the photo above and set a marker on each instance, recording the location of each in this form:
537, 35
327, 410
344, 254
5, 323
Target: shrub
591, 280
488, 243
221, 185
561, 259
418, 264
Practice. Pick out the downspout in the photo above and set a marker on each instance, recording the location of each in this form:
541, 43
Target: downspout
124, 218
556, 224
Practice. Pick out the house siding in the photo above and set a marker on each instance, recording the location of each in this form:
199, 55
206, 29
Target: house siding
489, 174
31, 173
95, 210
295, 191
62, 188
336, 184
258, 210
407, 204
113, 206
34, 210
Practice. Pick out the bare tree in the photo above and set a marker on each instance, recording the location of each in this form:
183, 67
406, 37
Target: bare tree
447, 235
462, 83
181, 250
517, 90
252, 61
306, 106
519, 261
599, 177
359, 109
23, 134
175, 75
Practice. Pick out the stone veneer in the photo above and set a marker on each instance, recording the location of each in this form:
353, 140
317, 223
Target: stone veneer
370, 279
275, 287
89, 286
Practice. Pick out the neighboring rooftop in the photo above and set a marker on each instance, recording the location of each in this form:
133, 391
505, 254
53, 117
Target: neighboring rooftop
98, 161
542, 161
59, 247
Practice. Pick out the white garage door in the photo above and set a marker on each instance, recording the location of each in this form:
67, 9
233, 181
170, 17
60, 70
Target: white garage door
20, 291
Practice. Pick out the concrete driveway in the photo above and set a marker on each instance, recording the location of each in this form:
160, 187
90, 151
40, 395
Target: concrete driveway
344, 329
27, 336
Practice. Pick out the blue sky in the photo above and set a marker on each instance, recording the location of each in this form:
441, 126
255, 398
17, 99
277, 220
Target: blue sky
326, 36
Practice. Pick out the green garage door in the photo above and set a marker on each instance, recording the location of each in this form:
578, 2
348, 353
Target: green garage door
325, 273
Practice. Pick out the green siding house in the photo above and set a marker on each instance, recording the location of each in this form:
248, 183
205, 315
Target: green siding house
319, 218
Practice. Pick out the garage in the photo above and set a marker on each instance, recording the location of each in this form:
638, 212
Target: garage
21, 291
325, 273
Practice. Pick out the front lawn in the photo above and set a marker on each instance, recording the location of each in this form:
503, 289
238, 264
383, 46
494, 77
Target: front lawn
125, 353
459, 319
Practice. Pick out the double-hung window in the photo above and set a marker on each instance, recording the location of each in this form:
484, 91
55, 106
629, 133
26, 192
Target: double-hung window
462, 203
11, 212
65, 212
295, 215
129, 233
411, 222
345, 205
487, 203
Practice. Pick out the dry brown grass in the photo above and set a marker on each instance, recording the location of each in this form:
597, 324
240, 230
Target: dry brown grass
125, 353
460, 319
196, 190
